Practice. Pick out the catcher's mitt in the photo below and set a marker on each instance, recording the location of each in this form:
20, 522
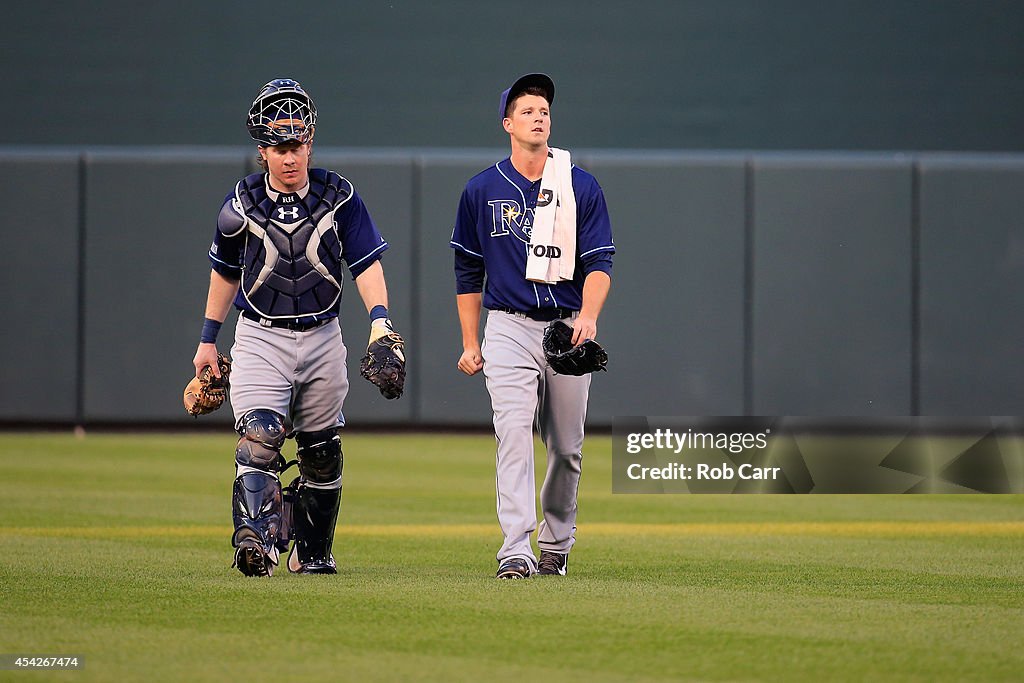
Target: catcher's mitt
205, 393
566, 359
384, 362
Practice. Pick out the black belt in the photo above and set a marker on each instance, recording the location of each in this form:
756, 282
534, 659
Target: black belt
287, 324
541, 314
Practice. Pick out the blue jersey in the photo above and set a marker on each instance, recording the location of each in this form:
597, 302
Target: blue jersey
492, 237
287, 249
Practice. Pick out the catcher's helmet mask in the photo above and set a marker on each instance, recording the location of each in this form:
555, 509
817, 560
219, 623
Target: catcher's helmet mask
282, 112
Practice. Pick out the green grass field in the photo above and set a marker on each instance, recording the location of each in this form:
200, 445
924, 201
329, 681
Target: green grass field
116, 548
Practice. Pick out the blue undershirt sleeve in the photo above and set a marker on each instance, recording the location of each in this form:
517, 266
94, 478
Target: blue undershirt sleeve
469, 273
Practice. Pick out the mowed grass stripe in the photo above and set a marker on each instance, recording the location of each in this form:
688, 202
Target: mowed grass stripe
845, 529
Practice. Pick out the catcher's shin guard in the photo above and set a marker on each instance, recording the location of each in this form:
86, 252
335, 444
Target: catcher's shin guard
256, 501
316, 498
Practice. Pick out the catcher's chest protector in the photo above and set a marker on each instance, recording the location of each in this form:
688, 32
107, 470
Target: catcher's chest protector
292, 262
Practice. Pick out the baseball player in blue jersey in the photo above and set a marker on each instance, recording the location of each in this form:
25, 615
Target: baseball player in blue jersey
278, 251
532, 244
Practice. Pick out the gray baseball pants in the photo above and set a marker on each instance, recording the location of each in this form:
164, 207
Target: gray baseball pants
300, 375
525, 391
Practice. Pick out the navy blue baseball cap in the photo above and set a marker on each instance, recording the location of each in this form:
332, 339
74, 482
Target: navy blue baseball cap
542, 81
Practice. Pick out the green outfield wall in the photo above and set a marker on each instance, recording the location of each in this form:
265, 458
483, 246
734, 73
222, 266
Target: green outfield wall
798, 283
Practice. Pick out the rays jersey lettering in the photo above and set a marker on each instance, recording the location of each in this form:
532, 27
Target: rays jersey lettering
508, 217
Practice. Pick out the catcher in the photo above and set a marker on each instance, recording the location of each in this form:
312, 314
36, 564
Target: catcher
283, 240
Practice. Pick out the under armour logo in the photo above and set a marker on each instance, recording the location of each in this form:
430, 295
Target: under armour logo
289, 212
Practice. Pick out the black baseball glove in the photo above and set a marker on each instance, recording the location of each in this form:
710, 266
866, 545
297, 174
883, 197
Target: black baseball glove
384, 362
566, 359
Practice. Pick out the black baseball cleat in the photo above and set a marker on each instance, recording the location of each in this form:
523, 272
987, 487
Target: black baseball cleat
318, 565
514, 568
553, 564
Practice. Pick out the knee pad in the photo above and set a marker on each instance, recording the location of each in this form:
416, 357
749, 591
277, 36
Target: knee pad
261, 435
320, 458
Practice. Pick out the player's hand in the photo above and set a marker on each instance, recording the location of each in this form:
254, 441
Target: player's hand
471, 361
206, 356
583, 328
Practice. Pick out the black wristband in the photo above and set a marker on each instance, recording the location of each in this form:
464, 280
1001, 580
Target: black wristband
210, 330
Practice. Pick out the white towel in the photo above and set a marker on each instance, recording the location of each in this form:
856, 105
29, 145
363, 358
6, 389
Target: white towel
552, 256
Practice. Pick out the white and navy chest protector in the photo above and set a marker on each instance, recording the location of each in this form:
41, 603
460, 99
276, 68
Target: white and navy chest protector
292, 258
